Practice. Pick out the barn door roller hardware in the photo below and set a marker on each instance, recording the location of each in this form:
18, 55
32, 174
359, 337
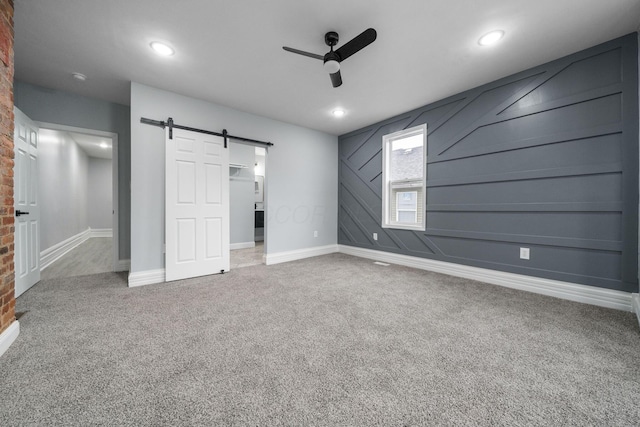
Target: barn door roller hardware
171, 125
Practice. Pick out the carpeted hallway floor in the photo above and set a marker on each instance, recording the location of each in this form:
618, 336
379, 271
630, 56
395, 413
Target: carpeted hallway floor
332, 340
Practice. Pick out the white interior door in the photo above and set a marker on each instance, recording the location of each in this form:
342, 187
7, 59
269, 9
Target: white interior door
26, 203
196, 205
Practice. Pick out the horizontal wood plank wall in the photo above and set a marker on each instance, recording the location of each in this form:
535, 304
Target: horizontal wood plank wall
546, 159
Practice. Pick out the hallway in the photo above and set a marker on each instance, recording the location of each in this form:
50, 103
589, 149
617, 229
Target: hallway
92, 257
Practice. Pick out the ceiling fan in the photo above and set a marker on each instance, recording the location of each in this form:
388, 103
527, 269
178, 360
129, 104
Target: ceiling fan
332, 59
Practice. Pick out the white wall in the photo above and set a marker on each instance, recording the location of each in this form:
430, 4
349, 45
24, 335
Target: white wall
100, 196
241, 193
302, 170
62, 179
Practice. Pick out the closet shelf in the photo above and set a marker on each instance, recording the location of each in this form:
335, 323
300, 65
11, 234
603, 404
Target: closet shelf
238, 166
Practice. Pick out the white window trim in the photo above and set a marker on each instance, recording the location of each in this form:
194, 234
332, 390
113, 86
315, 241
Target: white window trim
386, 184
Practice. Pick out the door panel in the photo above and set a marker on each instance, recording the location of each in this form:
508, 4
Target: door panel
197, 205
186, 240
213, 230
186, 182
32, 187
21, 248
213, 175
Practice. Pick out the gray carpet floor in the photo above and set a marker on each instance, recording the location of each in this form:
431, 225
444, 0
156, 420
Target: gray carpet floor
332, 340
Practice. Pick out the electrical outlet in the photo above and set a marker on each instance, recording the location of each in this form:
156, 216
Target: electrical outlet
375, 236
524, 253
315, 233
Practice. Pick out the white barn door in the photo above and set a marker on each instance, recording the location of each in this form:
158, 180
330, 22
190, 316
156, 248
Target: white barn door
26, 203
196, 205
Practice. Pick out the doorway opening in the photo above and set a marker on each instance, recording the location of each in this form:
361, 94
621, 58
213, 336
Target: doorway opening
259, 189
78, 182
248, 204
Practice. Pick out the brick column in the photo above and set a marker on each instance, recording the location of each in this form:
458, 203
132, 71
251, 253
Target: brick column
7, 283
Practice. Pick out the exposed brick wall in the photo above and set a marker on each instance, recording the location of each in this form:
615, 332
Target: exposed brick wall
7, 291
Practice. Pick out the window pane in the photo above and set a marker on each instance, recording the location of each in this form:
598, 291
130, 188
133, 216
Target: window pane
406, 207
408, 200
406, 158
407, 217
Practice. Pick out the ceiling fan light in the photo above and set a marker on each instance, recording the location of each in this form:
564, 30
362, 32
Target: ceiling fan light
332, 66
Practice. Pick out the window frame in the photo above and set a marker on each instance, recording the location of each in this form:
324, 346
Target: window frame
387, 185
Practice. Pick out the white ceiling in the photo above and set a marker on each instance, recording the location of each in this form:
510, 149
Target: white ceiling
230, 52
94, 146
90, 144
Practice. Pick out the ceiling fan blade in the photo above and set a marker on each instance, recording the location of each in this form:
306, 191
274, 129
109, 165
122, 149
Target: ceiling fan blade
359, 42
302, 52
336, 79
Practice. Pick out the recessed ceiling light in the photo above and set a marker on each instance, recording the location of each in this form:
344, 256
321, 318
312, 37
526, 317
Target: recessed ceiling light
491, 38
338, 112
79, 76
104, 145
162, 49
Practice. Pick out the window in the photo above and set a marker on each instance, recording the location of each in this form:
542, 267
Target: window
404, 163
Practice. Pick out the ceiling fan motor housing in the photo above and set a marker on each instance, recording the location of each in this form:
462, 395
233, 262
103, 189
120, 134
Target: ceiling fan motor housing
331, 59
331, 38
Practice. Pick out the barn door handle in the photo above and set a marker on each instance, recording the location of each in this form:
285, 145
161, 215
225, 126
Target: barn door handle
18, 213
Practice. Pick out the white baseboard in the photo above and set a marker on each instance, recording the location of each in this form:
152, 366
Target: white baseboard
148, 277
242, 245
123, 265
636, 305
280, 257
57, 251
8, 336
570, 291
101, 232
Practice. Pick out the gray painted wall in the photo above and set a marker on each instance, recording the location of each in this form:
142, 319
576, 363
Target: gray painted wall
59, 107
62, 180
545, 159
302, 169
100, 195
241, 193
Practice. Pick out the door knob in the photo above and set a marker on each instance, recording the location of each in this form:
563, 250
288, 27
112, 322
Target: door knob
18, 213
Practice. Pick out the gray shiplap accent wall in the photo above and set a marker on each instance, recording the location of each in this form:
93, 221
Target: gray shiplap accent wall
545, 159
